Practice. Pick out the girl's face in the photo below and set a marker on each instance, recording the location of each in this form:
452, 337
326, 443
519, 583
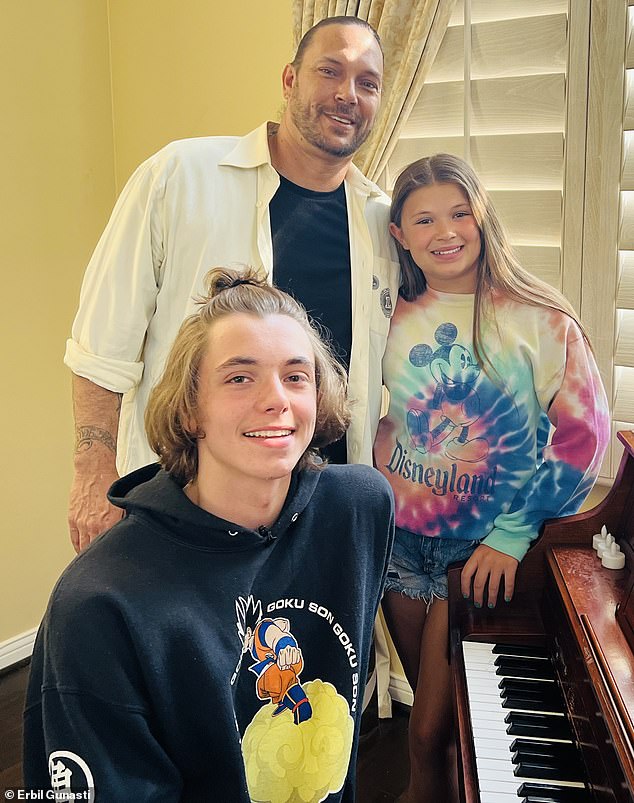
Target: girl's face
440, 232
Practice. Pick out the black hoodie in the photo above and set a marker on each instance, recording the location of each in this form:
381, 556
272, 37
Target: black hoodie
184, 658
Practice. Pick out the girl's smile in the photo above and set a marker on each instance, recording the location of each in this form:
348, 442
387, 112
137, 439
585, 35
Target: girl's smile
439, 230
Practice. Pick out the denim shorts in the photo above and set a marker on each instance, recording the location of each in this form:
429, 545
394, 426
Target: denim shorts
418, 567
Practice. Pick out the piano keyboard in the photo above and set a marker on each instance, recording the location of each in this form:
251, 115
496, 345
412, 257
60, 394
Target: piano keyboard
524, 746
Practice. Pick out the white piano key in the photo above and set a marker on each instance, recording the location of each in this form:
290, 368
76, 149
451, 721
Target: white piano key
495, 701
477, 646
480, 688
498, 797
489, 764
487, 729
485, 714
492, 750
489, 660
491, 739
492, 693
482, 673
500, 779
489, 680
486, 685
486, 648
483, 705
492, 729
490, 771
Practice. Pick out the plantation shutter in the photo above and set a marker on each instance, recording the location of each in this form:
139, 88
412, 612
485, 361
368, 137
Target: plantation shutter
497, 97
623, 415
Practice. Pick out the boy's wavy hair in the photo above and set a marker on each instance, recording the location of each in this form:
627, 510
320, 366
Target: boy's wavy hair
498, 267
172, 406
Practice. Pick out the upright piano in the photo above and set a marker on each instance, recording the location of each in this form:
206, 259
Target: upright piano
545, 684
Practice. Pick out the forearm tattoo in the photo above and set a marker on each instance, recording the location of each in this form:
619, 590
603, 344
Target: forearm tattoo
86, 437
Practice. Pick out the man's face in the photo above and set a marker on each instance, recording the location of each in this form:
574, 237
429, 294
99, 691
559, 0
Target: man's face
334, 94
256, 399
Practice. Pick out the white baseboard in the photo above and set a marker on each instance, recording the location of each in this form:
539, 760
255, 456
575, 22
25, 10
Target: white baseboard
17, 648
400, 690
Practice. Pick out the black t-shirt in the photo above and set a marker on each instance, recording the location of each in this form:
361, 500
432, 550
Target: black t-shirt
311, 261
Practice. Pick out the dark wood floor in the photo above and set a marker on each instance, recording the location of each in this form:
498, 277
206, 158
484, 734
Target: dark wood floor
383, 764
381, 772
12, 688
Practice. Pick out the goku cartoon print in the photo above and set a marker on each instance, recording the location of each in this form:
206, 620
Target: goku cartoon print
297, 745
277, 659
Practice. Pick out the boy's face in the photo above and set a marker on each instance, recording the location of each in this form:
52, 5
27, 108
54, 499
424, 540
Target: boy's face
257, 399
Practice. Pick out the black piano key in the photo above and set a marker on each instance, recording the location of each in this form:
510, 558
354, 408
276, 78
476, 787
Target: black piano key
528, 745
548, 702
557, 751
525, 672
521, 649
549, 696
540, 800
549, 799
545, 693
533, 703
549, 726
514, 666
545, 793
547, 770
544, 699
525, 685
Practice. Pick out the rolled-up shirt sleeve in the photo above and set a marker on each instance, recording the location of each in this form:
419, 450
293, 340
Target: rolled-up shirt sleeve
118, 294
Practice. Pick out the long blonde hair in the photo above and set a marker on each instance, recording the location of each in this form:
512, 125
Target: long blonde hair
498, 267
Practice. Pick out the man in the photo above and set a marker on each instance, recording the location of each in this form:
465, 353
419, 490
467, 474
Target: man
284, 198
212, 645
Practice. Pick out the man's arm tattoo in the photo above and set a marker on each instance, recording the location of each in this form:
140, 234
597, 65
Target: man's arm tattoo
86, 437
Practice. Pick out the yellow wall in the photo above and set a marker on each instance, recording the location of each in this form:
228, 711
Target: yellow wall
190, 68
57, 187
166, 69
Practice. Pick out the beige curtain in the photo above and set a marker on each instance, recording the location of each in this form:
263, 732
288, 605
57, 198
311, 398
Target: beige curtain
411, 32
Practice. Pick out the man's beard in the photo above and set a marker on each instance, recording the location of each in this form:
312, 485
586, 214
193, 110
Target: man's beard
309, 129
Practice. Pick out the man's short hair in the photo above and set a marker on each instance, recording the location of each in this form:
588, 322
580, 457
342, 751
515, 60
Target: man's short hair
171, 413
340, 20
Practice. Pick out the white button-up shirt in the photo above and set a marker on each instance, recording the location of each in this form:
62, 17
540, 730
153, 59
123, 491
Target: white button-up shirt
198, 204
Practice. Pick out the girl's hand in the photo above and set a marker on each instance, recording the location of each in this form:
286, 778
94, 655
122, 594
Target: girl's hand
488, 564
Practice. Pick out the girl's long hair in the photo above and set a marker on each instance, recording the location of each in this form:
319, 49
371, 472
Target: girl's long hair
498, 267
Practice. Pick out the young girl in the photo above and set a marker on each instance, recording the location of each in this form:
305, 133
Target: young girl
481, 358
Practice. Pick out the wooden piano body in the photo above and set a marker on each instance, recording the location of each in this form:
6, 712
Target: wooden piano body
565, 598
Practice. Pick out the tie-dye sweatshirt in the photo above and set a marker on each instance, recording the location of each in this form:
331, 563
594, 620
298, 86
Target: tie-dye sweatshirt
466, 450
